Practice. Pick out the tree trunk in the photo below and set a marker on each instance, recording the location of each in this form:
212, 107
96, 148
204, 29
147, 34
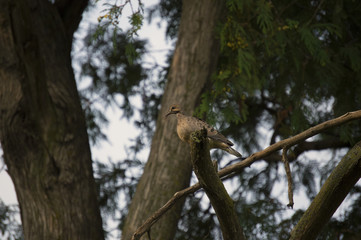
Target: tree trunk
42, 127
169, 168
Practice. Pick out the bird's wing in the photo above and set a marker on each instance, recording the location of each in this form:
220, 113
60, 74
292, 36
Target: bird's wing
221, 138
212, 133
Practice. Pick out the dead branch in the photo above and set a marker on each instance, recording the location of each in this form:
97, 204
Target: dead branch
289, 177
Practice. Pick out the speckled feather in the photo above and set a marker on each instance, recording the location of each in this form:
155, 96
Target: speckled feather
187, 124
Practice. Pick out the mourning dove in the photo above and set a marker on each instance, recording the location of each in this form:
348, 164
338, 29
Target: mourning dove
187, 124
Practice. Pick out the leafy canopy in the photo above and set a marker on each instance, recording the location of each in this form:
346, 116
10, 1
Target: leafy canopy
299, 61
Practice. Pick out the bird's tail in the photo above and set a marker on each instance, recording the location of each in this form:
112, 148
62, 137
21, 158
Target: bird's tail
233, 152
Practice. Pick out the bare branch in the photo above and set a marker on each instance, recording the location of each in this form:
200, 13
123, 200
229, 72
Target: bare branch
329, 143
291, 141
247, 162
289, 177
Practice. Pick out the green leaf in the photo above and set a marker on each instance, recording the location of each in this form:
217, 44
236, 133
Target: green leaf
353, 55
264, 18
245, 62
130, 53
311, 43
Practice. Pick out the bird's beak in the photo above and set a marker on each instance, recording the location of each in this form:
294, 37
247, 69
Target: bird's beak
169, 113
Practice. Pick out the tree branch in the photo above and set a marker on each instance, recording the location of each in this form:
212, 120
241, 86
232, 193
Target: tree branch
331, 195
247, 162
307, 146
160, 212
213, 186
322, 144
291, 141
289, 177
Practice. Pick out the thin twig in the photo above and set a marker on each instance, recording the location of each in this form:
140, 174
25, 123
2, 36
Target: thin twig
289, 176
159, 213
247, 162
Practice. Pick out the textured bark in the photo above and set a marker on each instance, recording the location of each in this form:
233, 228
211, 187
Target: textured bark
42, 127
331, 195
213, 186
168, 169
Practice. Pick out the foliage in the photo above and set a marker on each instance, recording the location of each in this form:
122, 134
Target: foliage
116, 182
258, 218
109, 69
105, 63
110, 80
113, 13
111, 75
10, 228
197, 222
297, 62
114, 81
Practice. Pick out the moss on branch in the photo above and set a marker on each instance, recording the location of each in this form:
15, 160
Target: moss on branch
213, 186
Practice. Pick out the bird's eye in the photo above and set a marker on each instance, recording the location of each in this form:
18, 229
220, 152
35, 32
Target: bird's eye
173, 108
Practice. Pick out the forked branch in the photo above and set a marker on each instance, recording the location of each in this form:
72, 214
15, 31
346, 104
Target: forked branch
206, 173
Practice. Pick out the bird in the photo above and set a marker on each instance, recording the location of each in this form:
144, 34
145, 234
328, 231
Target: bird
188, 124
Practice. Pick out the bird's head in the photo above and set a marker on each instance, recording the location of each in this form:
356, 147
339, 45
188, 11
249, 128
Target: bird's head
174, 109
